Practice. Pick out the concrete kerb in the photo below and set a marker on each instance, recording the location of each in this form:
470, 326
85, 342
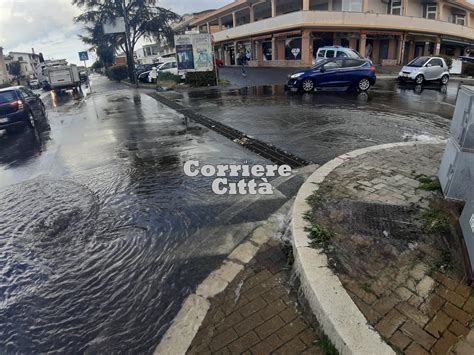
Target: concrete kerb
338, 315
187, 322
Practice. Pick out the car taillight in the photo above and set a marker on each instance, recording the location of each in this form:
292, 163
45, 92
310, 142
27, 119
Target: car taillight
18, 104
372, 69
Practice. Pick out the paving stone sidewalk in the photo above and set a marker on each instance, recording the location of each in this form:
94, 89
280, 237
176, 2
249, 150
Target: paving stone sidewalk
393, 249
258, 313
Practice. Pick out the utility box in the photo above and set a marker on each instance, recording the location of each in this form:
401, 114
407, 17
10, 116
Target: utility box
462, 126
456, 173
467, 226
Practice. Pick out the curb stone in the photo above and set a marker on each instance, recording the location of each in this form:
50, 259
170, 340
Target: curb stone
187, 322
338, 315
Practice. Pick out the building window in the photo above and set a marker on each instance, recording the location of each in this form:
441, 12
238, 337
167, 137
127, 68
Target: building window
459, 20
20, 59
352, 5
293, 49
430, 11
395, 7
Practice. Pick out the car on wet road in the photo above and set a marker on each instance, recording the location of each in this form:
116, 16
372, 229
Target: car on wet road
20, 107
424, 69
335, 72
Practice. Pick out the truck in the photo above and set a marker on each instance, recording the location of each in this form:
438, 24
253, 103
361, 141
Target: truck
63, 77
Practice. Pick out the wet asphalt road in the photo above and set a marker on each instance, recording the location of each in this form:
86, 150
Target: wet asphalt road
322, 125
102, 235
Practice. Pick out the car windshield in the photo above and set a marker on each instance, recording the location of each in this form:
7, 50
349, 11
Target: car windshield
354, 54
7, 96
320, 64
418, 62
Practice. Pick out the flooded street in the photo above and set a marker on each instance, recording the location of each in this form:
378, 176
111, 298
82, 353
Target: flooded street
102, 234
320, 126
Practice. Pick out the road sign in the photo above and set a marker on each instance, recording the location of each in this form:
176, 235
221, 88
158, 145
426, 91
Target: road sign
83, 56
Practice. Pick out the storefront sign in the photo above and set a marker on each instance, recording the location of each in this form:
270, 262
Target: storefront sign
295, 51
194, 52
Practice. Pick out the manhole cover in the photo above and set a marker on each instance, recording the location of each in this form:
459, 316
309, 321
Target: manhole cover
378, 220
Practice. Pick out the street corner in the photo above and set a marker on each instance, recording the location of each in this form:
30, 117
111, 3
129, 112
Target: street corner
390, 237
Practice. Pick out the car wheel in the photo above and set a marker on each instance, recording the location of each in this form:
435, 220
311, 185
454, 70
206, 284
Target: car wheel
307, 85
444, 79
419, 79
363, 84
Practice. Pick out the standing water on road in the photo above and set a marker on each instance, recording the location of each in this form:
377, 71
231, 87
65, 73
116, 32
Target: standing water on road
103, 236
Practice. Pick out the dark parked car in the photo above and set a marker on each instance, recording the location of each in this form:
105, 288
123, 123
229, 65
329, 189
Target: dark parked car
143, 77
142, 68
20, 107
335, 72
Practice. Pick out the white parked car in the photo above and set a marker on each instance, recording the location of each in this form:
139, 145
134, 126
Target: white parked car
168, 67
335, 52
425, 69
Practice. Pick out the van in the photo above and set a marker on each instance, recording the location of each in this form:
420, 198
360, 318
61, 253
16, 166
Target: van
335, 52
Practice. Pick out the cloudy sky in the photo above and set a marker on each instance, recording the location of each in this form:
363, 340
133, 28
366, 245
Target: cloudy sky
48, 27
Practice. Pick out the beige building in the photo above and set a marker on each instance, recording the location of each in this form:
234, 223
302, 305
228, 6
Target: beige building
28, 62
289, 32
4, 77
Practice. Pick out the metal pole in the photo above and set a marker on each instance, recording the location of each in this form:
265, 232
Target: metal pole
128, 45
88, 80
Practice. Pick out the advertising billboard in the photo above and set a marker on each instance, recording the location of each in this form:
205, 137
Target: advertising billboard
194, 52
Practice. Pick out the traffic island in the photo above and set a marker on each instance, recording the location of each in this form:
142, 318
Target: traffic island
378, 255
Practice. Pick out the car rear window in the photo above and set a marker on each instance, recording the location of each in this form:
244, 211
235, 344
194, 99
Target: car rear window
321, 53
350, 63
7, 96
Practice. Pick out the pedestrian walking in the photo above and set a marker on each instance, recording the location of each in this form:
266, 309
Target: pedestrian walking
243, 62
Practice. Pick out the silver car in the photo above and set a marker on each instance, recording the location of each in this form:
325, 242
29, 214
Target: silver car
425, 69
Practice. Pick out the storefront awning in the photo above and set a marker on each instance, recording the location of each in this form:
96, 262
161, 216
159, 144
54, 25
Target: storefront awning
456, 42
287, 34
261, 38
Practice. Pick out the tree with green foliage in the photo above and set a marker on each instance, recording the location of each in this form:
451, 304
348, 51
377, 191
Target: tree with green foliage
97, 65
14, 68
117, 72
145, 20
103, 45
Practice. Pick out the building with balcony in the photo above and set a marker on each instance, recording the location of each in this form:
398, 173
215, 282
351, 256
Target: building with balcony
289, 32
28, 62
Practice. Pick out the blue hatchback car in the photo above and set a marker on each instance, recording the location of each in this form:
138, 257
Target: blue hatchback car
335, 72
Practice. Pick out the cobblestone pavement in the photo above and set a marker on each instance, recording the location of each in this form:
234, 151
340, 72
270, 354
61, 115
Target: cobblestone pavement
257, 313
390, 254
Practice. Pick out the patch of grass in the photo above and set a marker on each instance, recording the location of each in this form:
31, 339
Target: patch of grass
316, 200
366, 287
428, 184
319, 235
224, 82
308, 216
327, 346
435, 221
444, 263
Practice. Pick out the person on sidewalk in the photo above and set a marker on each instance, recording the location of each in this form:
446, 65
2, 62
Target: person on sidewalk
243, 61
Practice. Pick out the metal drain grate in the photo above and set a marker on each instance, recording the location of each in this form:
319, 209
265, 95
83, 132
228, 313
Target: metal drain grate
377, 219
